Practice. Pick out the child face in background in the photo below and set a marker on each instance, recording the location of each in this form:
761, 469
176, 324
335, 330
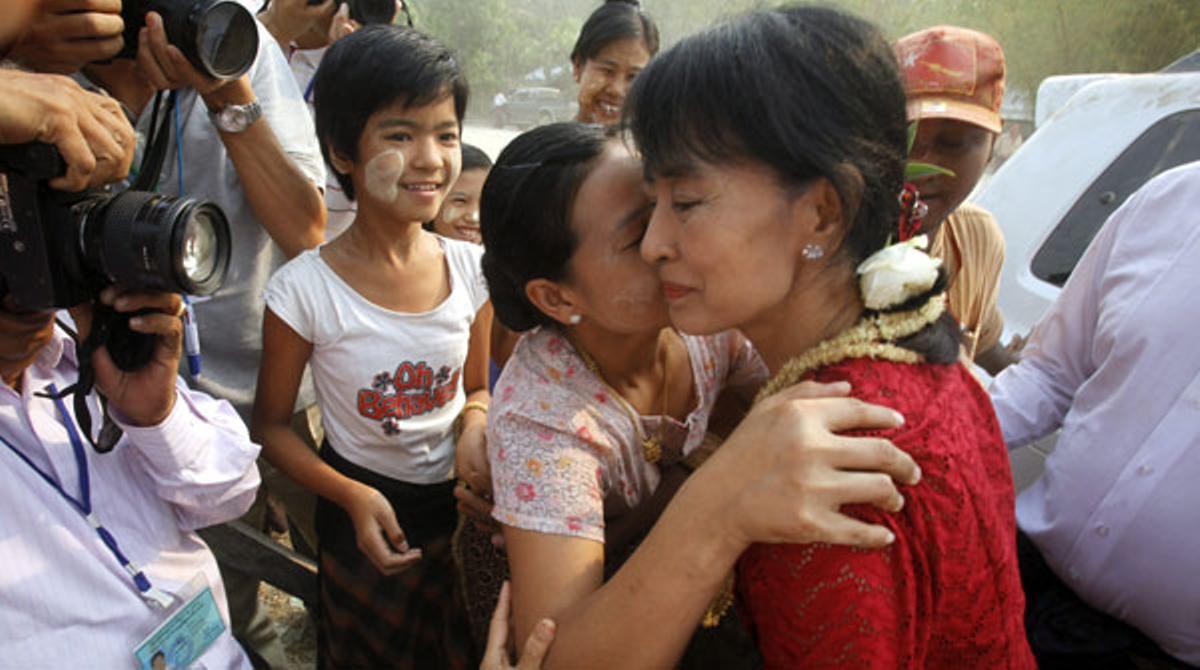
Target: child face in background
408, 159
459, 218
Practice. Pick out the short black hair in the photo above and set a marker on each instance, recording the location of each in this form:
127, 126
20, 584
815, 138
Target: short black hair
372, 68
474, 158
809, 92
525, 211
614, 20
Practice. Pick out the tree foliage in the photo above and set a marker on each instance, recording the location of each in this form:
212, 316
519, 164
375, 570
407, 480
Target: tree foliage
501, 41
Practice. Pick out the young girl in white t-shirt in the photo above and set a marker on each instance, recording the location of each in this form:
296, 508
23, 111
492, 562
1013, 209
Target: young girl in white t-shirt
393, 322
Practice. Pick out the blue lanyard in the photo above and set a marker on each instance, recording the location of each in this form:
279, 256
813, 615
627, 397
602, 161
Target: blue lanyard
83, 505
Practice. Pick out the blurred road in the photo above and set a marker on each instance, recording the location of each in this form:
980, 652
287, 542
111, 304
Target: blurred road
491, 140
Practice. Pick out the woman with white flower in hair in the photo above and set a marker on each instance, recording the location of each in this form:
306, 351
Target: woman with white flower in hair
781, 220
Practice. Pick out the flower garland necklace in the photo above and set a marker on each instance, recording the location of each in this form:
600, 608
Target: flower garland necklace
652, 445
887, 279
872, 337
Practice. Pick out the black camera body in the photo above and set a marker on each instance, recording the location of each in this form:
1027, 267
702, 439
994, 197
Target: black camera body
60, 249
218, 37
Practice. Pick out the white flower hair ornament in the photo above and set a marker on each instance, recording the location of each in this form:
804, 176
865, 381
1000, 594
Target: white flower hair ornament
897, 273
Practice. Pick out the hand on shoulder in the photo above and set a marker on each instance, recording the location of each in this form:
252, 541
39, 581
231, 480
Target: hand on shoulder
785, 472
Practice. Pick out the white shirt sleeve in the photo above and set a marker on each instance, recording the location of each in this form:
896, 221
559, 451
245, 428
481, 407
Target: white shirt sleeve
468, 260
1032, 397
200, 459
289, 295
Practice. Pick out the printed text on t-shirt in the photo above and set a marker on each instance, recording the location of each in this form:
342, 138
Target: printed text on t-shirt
418, 390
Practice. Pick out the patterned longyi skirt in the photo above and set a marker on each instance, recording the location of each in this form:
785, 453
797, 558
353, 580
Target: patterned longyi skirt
411, 620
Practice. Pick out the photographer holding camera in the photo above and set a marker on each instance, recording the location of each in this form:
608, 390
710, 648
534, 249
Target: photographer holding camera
230, 125
99, 549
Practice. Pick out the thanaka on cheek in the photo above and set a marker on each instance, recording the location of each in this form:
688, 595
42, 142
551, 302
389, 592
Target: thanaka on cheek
382, 175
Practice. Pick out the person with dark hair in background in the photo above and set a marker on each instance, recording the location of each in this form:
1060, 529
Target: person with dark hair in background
954, 81
459, 216
393, 321
615, 43
94, 545
777, 220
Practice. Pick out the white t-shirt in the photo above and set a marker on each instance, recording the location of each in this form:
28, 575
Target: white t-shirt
389, 383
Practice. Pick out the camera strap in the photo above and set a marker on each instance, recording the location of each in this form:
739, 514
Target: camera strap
157, 141
110, 432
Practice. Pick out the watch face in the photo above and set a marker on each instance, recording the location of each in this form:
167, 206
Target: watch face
236, 118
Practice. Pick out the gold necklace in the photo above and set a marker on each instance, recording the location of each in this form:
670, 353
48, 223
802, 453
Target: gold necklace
652, 446
872, 337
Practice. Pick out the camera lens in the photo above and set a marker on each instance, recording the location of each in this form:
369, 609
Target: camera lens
154, 242
218, 37
226, 39
200, 257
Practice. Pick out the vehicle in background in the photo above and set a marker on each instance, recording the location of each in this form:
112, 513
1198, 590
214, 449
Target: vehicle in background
533, 106
1088, 154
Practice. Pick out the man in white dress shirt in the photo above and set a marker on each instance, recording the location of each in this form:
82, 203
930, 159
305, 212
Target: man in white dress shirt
185, 462
1115, 365
97, 550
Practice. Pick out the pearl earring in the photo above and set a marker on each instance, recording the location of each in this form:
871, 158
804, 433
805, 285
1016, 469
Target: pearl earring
812, 252
574, 319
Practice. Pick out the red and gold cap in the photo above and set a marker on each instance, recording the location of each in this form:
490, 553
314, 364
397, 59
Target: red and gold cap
952, 73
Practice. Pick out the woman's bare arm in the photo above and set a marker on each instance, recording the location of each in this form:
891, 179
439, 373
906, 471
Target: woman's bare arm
781, 477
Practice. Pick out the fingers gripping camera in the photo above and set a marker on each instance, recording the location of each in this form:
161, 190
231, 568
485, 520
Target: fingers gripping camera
218, 37
61, 249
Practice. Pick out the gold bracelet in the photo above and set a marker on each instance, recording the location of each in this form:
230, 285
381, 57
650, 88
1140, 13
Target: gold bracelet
475, 404
458, 420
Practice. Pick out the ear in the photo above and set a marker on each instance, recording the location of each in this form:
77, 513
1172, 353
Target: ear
553, 299
339, 161
576, 71
827, 222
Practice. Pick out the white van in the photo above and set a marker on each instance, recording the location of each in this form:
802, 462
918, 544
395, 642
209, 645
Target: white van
1053, 195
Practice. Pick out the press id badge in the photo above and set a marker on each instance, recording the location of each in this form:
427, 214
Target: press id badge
187, 632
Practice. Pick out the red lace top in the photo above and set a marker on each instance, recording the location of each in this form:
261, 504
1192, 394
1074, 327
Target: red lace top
947, 593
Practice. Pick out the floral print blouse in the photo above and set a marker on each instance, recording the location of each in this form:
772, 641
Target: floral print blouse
565, 454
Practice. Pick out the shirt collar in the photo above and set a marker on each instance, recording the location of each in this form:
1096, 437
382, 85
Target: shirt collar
60, 346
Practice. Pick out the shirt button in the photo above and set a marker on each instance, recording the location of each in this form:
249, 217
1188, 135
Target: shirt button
1074, 574
1144, 470
1102, 530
